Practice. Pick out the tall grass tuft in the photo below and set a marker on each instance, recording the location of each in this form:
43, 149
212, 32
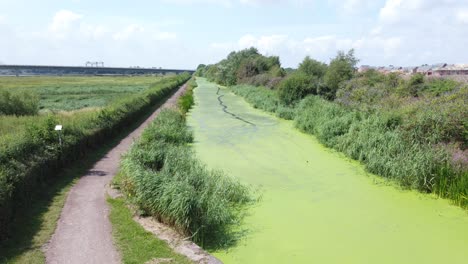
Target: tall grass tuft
162, 175
186, 101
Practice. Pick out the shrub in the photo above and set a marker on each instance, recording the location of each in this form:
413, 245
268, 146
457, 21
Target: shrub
295, 87
18, 103
312, 67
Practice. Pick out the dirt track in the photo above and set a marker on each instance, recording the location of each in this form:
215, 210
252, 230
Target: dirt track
84, 232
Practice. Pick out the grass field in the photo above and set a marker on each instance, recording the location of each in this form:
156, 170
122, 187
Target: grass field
77, 92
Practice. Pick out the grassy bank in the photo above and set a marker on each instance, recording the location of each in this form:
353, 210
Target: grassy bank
161, 175
136, 245
32, 156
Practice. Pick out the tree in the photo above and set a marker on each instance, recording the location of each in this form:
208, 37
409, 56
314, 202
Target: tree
312, 67
341, 69
200, 70
296, 87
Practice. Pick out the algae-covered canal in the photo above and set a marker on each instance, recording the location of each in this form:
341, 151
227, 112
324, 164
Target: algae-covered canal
317, 206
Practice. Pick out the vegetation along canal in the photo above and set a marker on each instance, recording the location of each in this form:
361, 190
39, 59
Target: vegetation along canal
317, 206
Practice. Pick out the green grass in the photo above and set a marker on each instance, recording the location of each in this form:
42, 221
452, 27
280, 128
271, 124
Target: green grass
72, 93
135, 243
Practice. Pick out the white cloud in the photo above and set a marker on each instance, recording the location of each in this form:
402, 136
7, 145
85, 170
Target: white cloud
292, 51
69, 39
266, 44
462, 16
63, 21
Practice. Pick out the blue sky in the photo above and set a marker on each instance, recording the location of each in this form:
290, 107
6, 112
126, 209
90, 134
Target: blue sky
184, 33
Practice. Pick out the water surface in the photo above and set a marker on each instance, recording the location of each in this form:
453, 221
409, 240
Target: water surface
317, 206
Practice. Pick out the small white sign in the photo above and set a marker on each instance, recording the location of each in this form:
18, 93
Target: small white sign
58, 127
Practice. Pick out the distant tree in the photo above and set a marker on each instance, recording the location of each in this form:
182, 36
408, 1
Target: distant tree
341, 69
312, 67
200, 70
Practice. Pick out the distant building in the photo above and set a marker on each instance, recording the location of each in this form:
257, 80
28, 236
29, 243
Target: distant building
437, 70
454, 69
364, 68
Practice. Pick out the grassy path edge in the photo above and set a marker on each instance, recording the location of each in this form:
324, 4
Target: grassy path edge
143, 239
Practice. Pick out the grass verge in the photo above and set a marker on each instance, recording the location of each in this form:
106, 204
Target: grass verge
135, 243
34, 226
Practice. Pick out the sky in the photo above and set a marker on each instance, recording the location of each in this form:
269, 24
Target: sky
181, 34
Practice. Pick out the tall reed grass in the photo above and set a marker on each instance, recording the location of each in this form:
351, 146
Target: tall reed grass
161, 174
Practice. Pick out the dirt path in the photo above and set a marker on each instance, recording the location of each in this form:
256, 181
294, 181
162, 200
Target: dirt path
83, 233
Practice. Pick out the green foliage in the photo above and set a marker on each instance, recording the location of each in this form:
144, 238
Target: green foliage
161, 175
31, 156
312, 67
201, 69
259, 97
341, 69
18, 103
240, 66
185, 102
264, 99
295, 87
437, 87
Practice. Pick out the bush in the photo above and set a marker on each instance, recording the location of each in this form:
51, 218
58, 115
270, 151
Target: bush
180, 191
312, 67
18, 103
295, 87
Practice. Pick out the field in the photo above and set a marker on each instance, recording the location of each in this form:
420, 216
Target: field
72, 93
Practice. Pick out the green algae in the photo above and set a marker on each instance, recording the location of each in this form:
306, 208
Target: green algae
317, 206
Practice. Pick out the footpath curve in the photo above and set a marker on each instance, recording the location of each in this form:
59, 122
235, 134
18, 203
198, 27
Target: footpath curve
84, 232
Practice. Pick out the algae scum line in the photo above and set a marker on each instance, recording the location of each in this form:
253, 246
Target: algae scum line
316, 206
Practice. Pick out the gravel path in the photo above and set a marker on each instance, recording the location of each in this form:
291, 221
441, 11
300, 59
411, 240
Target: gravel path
84, 232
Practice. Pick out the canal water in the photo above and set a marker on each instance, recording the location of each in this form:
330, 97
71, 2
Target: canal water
316, 205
